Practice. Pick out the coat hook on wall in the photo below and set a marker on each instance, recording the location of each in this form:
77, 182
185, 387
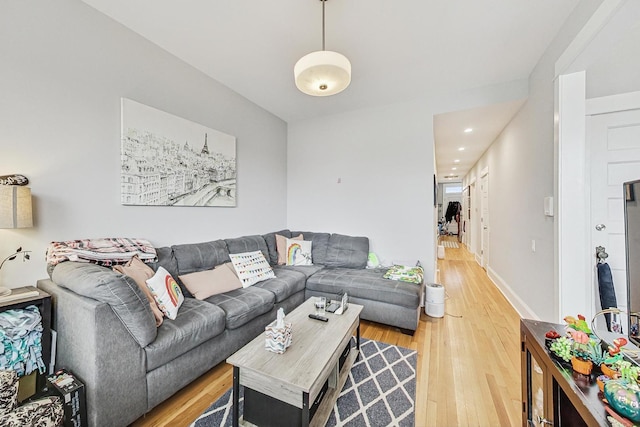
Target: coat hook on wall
601, 255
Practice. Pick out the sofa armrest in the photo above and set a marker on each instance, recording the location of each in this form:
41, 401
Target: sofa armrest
93, 344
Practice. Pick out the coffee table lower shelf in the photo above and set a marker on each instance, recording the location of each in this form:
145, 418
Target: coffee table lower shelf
325, 407
317, 362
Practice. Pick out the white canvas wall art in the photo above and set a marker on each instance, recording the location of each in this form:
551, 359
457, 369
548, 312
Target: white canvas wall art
170, 161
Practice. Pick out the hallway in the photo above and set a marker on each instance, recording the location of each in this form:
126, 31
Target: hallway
469, 370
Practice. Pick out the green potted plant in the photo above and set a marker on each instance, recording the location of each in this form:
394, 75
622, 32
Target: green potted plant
628, 371
581, 351
609, 365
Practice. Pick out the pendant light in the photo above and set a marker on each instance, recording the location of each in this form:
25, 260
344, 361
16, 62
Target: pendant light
322, 73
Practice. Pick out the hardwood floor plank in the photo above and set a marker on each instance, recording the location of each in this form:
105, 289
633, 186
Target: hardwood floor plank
468, 369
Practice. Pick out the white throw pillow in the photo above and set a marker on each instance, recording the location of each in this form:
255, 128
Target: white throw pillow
166, 292
252, 267
299, 252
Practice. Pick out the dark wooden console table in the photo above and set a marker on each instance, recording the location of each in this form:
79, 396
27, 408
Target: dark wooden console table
551, 393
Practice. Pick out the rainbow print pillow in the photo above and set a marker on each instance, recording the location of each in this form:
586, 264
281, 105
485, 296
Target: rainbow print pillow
299, 252
166, 292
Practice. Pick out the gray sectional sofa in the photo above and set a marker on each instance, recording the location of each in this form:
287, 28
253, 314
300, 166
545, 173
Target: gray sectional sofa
107, 334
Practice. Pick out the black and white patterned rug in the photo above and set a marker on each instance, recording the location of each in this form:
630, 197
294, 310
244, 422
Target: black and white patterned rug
380, 391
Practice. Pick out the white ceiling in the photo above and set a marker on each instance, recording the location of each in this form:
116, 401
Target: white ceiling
399, 50
456, 150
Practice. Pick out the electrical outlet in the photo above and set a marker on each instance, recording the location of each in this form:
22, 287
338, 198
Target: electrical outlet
533, 245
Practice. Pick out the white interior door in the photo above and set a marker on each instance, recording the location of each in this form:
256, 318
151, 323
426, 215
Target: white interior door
466, 206
484, 220
472, 215
613, 141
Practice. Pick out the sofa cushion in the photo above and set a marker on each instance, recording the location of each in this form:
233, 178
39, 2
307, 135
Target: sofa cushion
203, 284
120, 292
320, 242
197, 321
347, 251
200, 256
286, 283
251, 267
248, 244
167, 259
242, 305
307, 270
166, 292
365, 284
270, 240
140, 272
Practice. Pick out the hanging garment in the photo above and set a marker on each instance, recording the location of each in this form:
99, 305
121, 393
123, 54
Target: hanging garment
607, 291
452, 209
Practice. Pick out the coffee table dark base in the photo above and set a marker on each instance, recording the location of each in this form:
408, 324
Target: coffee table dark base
286, 413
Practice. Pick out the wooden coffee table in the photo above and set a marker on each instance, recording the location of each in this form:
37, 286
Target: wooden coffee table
297, 376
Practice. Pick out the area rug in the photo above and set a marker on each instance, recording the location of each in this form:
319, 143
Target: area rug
380, 391
450, 244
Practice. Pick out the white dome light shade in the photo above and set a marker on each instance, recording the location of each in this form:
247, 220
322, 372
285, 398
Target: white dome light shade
322, 73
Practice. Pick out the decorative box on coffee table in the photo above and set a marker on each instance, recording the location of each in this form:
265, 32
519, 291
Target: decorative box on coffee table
309, 371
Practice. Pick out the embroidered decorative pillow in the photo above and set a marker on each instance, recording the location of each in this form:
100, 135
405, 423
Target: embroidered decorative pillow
281, 247
252, 267
167, 293
204, 284
405, 274
298, 252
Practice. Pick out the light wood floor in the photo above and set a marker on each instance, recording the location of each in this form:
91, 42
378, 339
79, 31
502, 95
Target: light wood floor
468, 362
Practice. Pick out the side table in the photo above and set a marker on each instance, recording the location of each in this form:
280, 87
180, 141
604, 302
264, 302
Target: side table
43, 301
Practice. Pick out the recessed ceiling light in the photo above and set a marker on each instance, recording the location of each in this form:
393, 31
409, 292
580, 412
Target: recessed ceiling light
456, 161
461, 149
453, 169
468, 130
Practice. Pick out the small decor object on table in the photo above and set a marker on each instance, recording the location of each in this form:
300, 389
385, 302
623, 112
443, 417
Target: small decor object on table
19, 252
624, 398
278, 334
66, 385
343, 299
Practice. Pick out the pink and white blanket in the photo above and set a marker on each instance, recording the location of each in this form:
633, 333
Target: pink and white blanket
105, 251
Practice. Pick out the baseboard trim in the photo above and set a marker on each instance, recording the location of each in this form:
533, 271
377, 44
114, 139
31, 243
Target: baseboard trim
517, 303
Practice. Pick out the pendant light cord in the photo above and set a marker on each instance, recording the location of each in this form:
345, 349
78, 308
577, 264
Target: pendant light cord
323, 1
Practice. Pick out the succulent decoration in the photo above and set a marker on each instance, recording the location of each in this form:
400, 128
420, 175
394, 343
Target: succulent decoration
19, 252
620, 379
581, 343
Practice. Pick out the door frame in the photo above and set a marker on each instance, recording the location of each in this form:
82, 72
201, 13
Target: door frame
574, 258
471, 226
483, 254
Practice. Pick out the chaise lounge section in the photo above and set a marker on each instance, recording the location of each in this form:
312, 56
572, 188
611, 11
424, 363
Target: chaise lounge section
108, 337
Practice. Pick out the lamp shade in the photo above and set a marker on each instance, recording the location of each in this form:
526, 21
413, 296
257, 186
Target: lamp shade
15, 207
322, 73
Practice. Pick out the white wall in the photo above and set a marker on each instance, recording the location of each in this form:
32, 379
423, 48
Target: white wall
521, 171
64, 69
383, 158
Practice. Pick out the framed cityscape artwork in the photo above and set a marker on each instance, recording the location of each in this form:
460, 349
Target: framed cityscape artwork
170, 161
